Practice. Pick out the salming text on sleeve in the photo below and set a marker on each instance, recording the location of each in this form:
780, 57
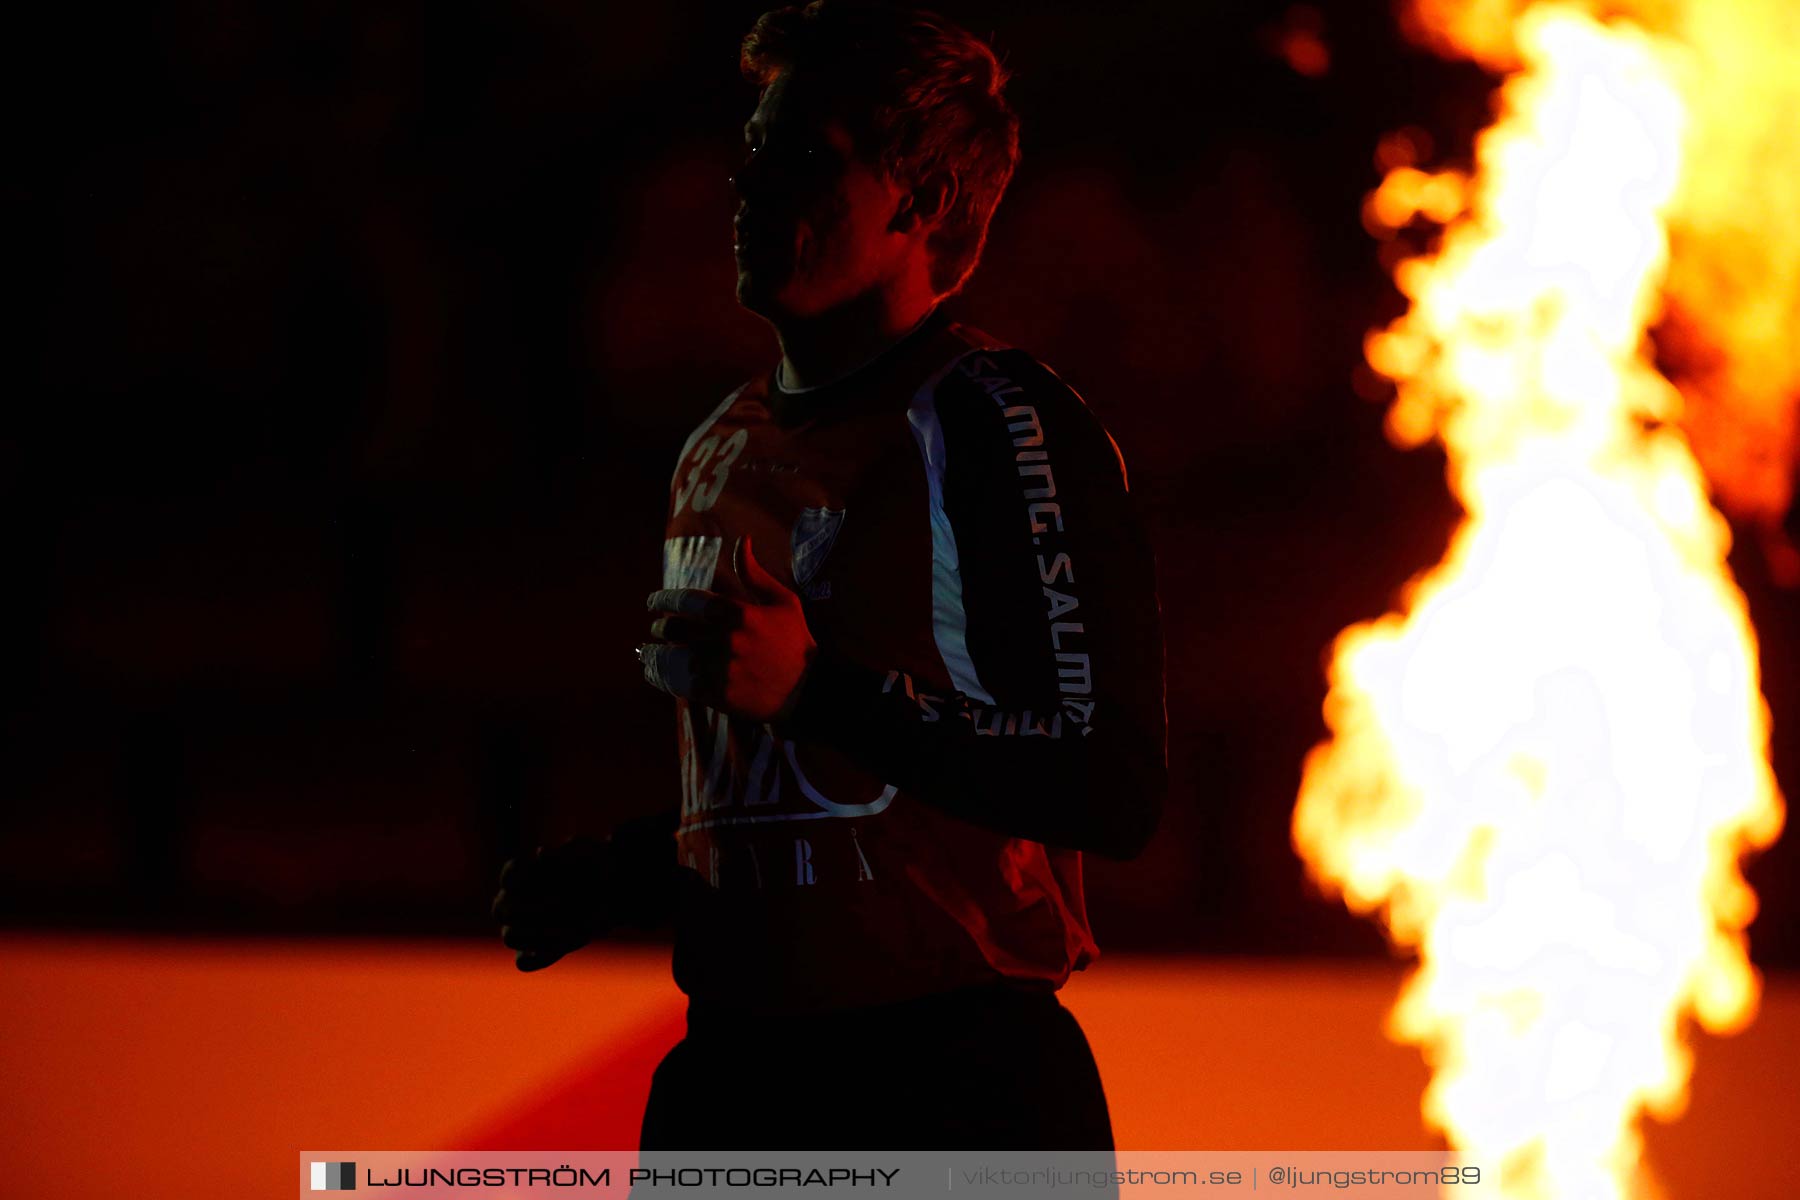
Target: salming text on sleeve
1045, 611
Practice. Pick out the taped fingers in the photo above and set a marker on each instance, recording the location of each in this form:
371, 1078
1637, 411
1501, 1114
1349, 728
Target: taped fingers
698, 603
694, 671
687, 629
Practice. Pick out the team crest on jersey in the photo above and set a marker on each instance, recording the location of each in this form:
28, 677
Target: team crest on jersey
815, 532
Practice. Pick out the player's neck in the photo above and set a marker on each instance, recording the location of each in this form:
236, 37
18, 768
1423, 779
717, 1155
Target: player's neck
826, 347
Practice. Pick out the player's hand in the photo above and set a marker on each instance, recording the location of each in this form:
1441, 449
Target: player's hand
742, 654
554, 901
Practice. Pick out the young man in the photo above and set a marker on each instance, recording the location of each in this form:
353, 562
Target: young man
910, 621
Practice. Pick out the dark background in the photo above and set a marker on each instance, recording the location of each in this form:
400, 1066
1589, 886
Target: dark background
358, 345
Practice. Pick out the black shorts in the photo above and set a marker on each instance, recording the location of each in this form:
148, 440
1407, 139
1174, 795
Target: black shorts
985, 1068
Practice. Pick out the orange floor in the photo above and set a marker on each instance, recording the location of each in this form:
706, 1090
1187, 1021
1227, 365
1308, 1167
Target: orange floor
130, 1062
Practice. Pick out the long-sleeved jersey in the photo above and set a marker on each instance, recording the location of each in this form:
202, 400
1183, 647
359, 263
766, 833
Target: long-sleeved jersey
987, 697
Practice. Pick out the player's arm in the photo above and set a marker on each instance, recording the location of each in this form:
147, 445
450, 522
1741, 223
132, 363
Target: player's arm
1045, 610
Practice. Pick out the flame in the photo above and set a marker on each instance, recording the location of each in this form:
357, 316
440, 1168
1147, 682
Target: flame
1733, 287
1545, 769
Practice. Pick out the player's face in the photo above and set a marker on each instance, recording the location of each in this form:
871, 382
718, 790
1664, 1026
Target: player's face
812, 220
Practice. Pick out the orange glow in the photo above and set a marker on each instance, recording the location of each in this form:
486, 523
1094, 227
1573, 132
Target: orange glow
241, 1052
1545, 768
1732, 286
1300, 41
1734, 281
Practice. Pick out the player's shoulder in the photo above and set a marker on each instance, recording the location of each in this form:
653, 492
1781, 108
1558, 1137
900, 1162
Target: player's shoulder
994, 386
984, 365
